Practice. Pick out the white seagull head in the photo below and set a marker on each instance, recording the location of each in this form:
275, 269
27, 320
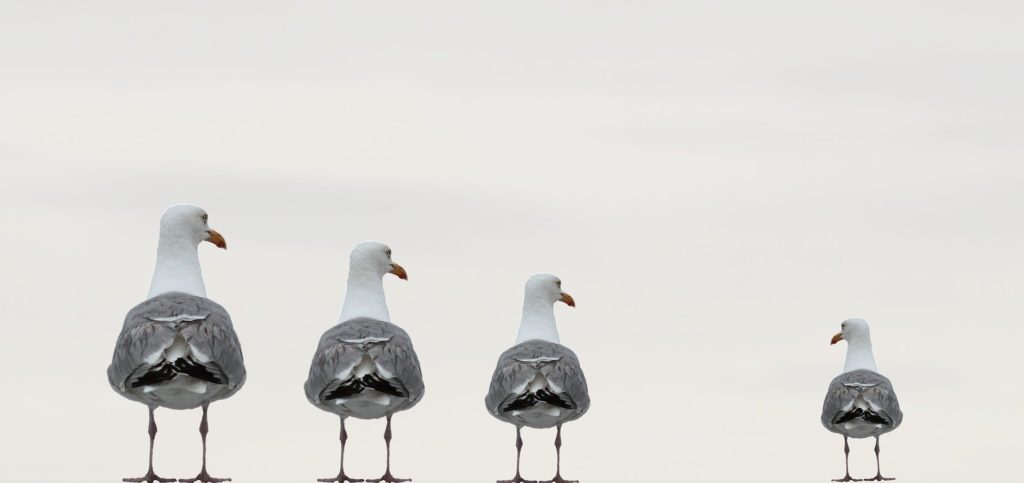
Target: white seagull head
853, 330
189, 224
372, 257
547, 288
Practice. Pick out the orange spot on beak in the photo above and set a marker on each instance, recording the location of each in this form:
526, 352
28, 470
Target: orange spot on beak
398, 271
567, 299
216, 239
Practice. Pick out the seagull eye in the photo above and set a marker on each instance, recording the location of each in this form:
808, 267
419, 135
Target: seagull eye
206, 218
388, 253
558, 282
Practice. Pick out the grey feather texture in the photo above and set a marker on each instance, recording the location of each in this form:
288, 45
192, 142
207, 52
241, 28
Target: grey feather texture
861, 387
534, 359
343, 347
152, 326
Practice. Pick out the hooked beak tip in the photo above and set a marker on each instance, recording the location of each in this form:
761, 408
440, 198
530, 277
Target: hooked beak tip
398, 271
217, 239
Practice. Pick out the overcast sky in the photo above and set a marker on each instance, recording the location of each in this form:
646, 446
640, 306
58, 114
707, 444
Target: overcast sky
718, 184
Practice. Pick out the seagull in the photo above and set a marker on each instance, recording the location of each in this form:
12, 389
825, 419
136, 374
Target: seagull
365, 367
538, 381
177, 348
860, 402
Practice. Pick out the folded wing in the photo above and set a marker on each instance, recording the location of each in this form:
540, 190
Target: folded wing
538, 376
862, 398
363, 355
176, 338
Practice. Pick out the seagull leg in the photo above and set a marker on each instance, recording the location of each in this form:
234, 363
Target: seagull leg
150, 477
203, 476
387, 478
519, 451
342, 477
846, 449
878, 465
558, 460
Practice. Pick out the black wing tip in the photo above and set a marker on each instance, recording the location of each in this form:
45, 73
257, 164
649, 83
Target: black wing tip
381, 385
876, 418
531, 399
869, 416
156, 375
522, 402
346, 389
167, 371
354, 386
554, 399
186, 365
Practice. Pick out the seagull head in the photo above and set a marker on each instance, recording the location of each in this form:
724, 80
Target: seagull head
190, 224
547, 288
375, 258
852, 329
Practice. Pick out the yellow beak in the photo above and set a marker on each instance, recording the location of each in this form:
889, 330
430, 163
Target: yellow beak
398, 271
836, 338
567, 299
216, 239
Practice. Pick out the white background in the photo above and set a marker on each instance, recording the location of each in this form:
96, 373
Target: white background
719, 185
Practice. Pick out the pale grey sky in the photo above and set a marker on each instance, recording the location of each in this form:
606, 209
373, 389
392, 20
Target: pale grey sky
719, 185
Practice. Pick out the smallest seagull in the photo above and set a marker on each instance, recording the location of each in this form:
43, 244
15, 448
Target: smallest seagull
860, 402
538, 382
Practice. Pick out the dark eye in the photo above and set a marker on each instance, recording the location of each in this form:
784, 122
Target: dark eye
388, 252
558, 282
205, 218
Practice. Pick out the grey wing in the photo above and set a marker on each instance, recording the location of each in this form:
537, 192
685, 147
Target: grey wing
519, 365
399, 358
508, 381
332, 356
215, 344
838, 399
340, 350
567, 374
138, 347
883, 397
876, 390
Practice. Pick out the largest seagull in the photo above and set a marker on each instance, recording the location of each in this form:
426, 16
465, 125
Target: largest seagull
365, 366
178, 349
